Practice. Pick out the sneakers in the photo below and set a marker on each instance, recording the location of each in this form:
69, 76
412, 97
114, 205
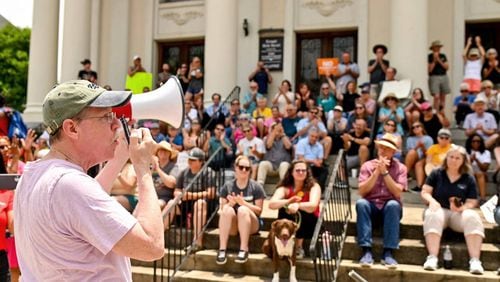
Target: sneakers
366, 259
431, 263
299, 254
221, 257
416, 190
389, 261
475, 266
242, 257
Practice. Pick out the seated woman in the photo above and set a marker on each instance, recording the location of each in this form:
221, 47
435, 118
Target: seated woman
124, 187
413, 109
450, 192
163, 179
480, 159
298, 193
391, 110
416, 146
241, 203
195, 136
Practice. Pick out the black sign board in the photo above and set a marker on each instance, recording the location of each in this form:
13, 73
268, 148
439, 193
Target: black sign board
271, 52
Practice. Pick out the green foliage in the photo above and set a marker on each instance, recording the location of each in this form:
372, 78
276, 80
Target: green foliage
14, 59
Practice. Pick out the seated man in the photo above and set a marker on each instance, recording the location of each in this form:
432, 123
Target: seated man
278, 157
482, 123
356, 144
290, 123
312, 121
311, 151
381, 182
217, 140
195, 202
217, 112
252, 147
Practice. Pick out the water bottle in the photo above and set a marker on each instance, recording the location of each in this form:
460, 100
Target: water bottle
447, 258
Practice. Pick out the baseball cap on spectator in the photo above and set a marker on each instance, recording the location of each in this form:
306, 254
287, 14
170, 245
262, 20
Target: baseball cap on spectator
480, 99
388, 140
444, 132
425, 106
365, 87
244, 116
464, 86
196, 154
85, 61
67, 99
487, 83
474, 52
338, 108
136, 57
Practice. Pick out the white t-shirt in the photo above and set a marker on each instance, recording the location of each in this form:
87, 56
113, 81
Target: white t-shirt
472, 69
281, 103
485, 157
66, 226
247, 145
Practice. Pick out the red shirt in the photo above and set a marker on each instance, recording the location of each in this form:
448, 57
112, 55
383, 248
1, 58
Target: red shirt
305, 198
6, 204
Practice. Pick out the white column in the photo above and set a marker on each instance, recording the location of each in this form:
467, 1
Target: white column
95, 33
220, 46
42, 72
76, 37
409, 42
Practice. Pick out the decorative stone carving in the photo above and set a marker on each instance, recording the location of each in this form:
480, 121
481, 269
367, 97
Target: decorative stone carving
328, 7
182, 19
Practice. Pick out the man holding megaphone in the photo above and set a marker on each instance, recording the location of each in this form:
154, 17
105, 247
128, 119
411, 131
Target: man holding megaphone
67, 226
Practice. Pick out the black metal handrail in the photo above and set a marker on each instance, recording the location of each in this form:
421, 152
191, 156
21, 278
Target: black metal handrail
331, 229
180, 238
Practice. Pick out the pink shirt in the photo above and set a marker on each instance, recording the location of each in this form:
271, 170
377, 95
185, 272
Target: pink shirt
66, 226
380, 194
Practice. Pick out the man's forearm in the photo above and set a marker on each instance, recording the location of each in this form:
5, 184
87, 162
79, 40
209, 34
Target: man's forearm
148, 212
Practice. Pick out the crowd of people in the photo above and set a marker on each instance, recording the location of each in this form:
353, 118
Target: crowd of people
290, 134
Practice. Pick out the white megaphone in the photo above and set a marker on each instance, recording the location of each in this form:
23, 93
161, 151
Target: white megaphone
165, 103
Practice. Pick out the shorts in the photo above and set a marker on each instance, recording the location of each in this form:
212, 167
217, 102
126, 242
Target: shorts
439, 84
474, 84
193, 90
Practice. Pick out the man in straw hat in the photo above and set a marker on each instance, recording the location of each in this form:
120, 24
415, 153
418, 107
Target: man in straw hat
381, 182
438, 80
67, 225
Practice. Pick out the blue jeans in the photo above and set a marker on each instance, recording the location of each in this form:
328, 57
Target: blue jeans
389, 215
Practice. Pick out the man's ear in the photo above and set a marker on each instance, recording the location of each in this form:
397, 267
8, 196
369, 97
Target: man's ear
70, 128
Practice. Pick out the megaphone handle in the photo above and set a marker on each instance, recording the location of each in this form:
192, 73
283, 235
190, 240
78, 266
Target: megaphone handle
125, 129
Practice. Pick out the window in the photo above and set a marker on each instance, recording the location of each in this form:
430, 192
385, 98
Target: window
488, 31
311, 46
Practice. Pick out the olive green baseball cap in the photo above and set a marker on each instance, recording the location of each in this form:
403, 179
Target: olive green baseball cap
67, 99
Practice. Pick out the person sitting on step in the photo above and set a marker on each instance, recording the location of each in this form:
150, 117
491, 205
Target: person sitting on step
241, 204
451, 195
297, 198
381, 182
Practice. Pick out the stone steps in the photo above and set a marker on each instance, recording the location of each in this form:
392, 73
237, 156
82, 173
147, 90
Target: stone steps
410, 273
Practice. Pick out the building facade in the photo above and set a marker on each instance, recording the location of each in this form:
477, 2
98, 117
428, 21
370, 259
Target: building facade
232, 35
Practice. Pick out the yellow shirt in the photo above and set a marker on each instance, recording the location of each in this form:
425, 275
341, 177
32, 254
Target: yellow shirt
438, 153
266, 113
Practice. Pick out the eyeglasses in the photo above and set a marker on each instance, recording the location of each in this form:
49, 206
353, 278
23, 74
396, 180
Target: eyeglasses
464, 90
314, 112
444, 137
298, 170
473, 141
488, 87
244, 168
2, 147
391, 124
324, 88
416, 126
247, 130
359, 108
110, 117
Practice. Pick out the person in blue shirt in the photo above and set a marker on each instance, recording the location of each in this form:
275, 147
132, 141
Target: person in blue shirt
462, 104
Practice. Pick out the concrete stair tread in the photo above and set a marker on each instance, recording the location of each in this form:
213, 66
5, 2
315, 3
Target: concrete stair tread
251, 256
410, 273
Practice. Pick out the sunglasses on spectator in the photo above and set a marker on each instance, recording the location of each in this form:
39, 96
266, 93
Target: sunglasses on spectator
357, 108
416, 126
314, 112
444, 137
298, 170
324, 88
476, 141
243, 168
2, 147
247, 130
464, 90
218, 128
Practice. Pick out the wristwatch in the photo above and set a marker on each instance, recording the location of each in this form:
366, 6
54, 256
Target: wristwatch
385, 173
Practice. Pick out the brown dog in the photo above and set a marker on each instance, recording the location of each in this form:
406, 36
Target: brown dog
280, 245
